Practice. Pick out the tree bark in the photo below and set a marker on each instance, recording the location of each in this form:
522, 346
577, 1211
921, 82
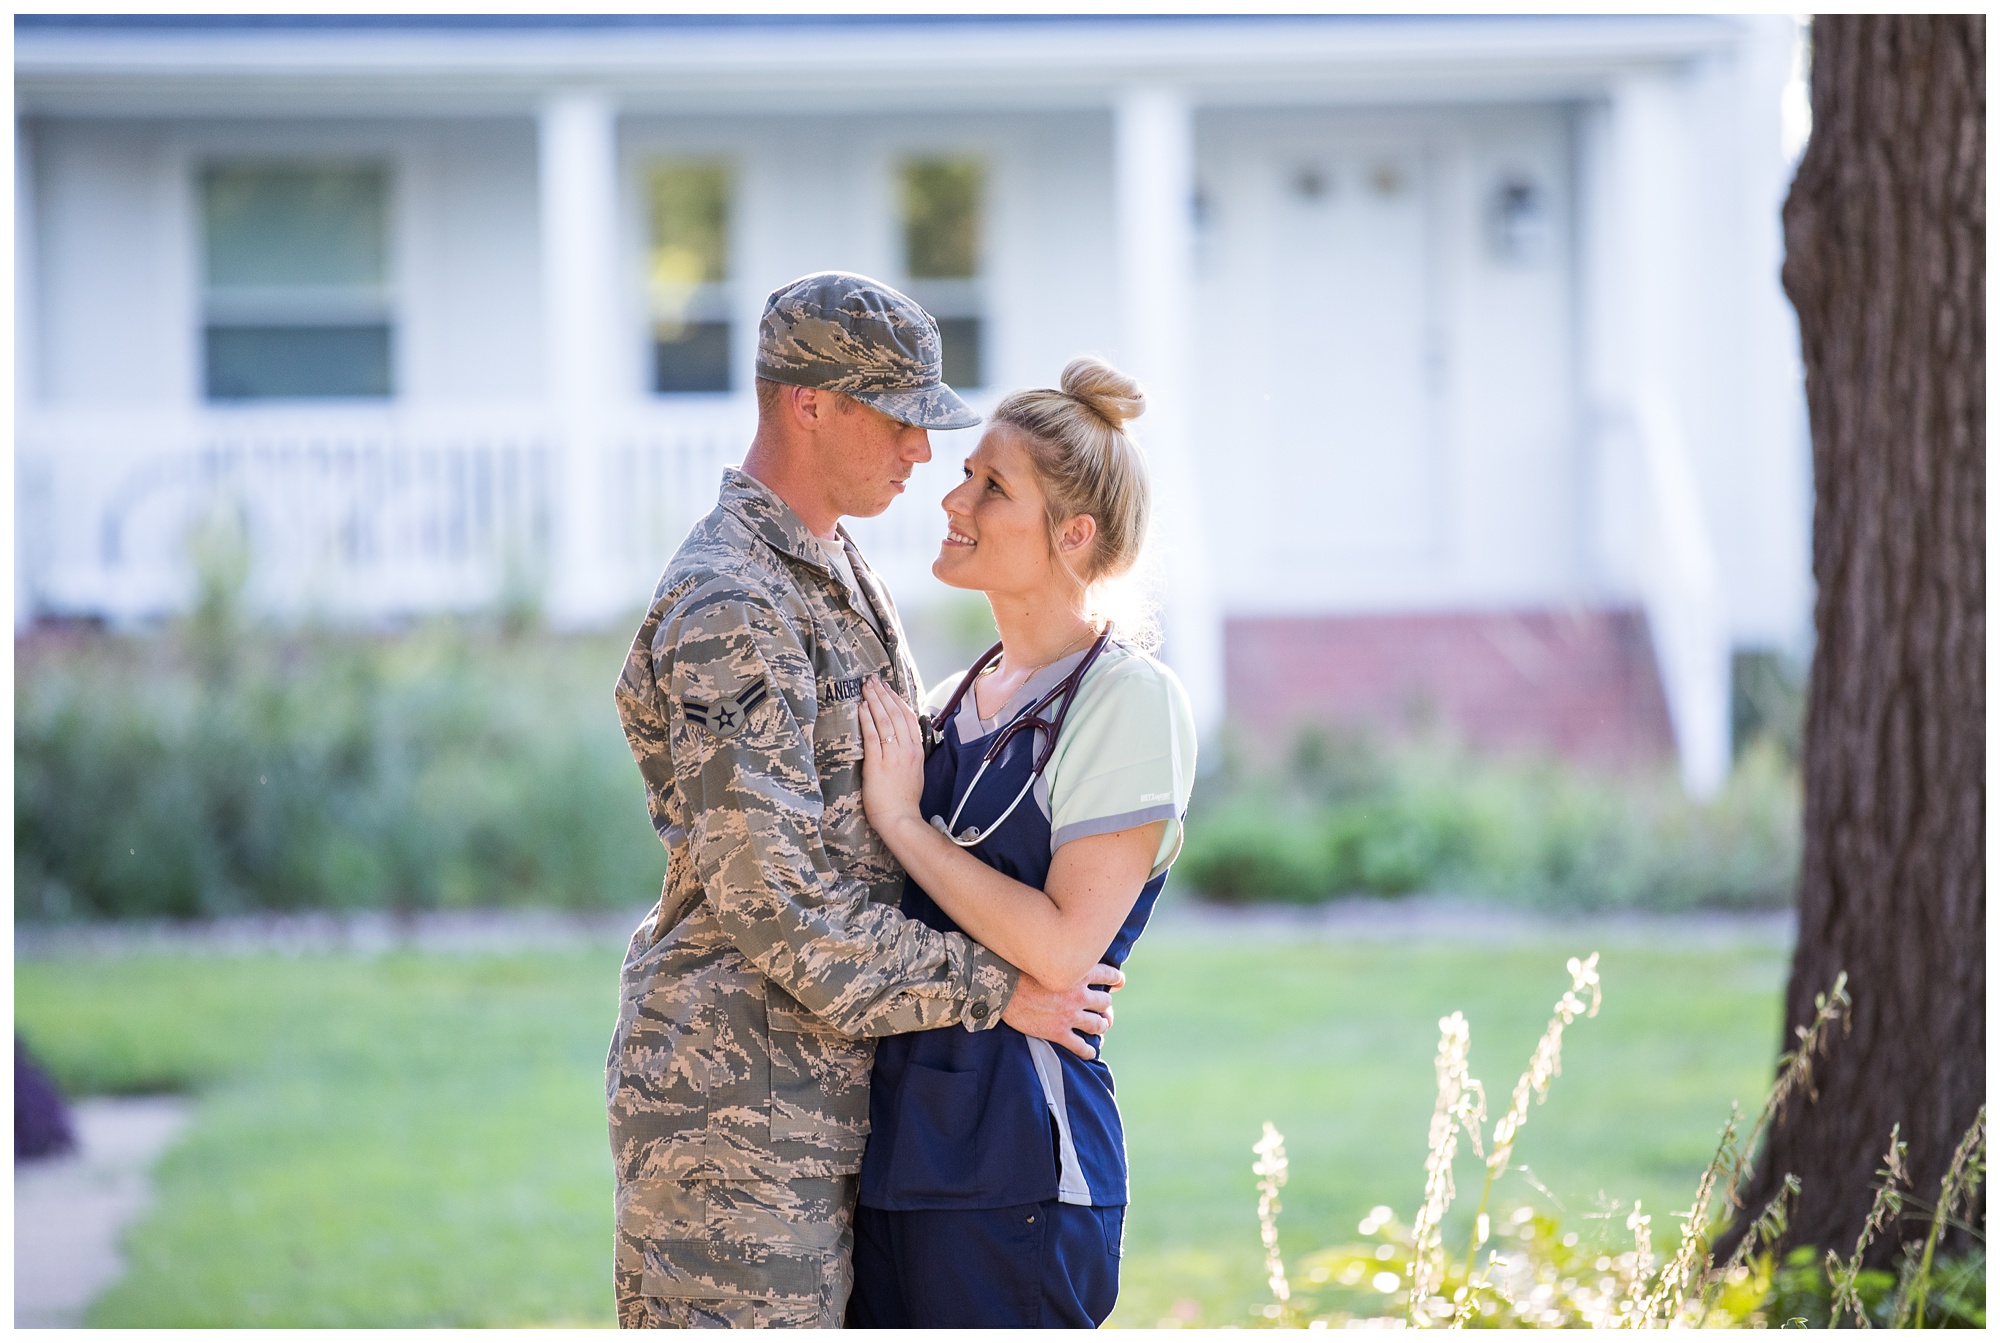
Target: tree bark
1886, 265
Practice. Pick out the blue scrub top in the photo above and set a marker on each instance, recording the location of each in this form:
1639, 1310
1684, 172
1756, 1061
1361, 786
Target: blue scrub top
993, 1119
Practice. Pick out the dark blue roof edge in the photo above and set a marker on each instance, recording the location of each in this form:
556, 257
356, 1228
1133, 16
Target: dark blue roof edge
539, 22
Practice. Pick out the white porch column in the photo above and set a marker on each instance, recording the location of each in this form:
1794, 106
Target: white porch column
1657, 534
1154, 146
579, 218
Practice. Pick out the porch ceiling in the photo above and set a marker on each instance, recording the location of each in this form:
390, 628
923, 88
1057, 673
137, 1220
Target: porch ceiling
389, 65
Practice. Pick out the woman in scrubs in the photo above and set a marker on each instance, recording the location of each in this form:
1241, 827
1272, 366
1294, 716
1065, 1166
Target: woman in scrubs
1040, 821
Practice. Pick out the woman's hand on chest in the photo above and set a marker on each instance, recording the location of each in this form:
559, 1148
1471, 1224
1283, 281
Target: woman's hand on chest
892, 758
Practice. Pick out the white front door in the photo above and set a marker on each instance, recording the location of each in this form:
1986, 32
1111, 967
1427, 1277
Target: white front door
1348, 329
1323, 422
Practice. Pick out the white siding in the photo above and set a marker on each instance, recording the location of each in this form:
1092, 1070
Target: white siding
1519, 502
112, 283
1744, 415
119, 242
1493, 483
818, 194
1468, 497
480, 252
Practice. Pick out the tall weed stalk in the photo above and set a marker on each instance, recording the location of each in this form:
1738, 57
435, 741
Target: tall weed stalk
1546, 1283
1885, 1212
1270, 1169
1956, 1194
1461, 1106
1795, 1075
1544, 1064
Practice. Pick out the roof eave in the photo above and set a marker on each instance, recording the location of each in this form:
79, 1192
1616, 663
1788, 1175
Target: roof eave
877, 66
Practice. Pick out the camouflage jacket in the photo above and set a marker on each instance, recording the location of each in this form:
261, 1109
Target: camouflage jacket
751, 994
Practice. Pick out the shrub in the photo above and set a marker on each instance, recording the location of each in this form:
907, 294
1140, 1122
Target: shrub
1344, 818
1245, 852
211, 768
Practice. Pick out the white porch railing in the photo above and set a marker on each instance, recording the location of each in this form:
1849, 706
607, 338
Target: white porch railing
660, 478
1657, 542
352, 513
366, 514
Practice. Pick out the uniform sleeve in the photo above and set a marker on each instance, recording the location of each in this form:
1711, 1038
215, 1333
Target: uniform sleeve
741, 699
1127, 759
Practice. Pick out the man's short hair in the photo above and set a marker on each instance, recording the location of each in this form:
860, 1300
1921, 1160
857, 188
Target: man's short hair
770, 391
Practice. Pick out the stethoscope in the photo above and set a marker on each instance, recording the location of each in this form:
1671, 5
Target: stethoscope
1030, 720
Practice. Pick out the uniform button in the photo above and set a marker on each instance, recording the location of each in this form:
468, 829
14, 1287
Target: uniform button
980, 1011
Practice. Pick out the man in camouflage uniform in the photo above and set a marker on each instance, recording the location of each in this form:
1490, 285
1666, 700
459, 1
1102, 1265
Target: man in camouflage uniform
739, 1073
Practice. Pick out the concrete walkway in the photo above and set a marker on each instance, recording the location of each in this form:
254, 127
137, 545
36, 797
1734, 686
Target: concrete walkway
70, 1211
1445, 918
362, 933
1441, 918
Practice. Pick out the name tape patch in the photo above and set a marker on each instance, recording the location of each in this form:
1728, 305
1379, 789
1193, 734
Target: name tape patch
838, 692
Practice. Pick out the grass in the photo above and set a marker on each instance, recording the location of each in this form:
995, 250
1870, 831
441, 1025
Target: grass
1334, 1044
406, 1140
420, 1139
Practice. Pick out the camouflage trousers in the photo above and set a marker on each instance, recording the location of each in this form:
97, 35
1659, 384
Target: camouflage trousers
727, 1254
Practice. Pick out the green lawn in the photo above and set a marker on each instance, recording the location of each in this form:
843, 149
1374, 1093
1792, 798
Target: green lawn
420, 1139
1334, 1044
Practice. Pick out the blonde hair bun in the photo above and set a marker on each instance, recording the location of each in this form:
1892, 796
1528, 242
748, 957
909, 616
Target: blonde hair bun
1086, 462
1110, 395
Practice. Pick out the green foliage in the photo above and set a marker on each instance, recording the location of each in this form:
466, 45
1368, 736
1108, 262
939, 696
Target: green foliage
393, 1141
1343, 817
213, 768
1534, 1275
1549, 1278
943, 199
1328, 1039
419, 1138
1801, 1292
688, 201
1541, 1276
1240, 851
1767, 701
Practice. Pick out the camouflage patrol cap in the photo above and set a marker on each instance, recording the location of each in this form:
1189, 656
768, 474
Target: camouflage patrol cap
848, 333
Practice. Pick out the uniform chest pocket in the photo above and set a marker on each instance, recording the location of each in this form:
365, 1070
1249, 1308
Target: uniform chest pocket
837, 736
837, 728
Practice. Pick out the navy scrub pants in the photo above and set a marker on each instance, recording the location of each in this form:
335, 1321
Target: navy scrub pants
1037, 1266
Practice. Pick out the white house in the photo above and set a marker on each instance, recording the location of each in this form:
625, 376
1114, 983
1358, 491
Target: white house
1471, 378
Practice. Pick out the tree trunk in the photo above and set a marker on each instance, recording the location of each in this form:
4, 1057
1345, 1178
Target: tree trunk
1886, 263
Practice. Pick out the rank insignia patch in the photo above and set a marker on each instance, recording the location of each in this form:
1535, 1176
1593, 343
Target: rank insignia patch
725, 717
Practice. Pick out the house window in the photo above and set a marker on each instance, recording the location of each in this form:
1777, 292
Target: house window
944, 207
296, 299
688, 275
